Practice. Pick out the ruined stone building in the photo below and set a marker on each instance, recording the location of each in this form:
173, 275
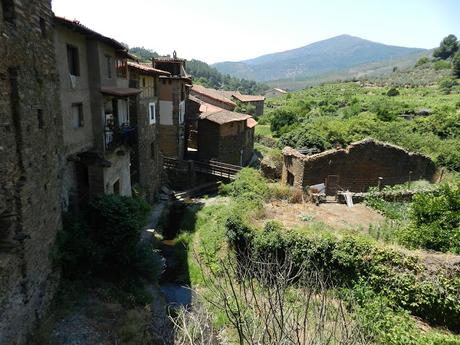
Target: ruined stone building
173, 93
146, 162
361, 165
97, 111
30, 180
223, 135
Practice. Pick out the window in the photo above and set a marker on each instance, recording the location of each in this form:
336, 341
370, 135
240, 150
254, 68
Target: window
108, 61
78, 120
8, 10
152, 113
143, 82
73, 60
41, 124
122, 68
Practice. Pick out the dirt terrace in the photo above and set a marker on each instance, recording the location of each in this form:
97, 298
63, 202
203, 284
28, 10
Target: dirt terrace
336, 215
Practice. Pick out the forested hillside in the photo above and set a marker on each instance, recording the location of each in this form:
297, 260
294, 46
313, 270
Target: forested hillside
206, 75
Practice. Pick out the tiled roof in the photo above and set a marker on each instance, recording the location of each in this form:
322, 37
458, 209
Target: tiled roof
211, 93
147, 68
248, 98
224, 116
75, 25
251, 122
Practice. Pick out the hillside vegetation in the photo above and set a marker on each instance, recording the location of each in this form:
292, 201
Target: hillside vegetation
418, 110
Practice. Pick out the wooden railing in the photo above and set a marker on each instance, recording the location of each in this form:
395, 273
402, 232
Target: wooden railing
214, 168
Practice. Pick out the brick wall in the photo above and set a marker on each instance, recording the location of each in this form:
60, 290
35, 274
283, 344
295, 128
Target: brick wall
30, 183
358, 167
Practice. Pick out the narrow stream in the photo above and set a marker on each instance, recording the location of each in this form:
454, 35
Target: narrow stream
175, 280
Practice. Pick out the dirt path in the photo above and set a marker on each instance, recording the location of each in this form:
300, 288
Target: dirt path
336, 215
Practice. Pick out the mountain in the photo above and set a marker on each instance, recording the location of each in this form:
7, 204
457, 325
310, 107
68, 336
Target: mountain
330, 56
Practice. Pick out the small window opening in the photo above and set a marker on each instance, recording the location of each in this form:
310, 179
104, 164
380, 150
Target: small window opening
73, 60
40, 119
152, 113
78, 119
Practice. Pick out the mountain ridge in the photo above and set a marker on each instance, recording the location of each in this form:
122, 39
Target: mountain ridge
331, 55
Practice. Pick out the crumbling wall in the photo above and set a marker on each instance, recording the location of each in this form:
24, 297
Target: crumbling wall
30, 150
359, 166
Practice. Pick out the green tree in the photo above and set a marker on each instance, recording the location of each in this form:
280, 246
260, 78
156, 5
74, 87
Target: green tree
456, 65
447, 48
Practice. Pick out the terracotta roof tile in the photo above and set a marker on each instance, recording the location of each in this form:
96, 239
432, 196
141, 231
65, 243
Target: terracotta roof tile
248, 98
198, 90
147, 68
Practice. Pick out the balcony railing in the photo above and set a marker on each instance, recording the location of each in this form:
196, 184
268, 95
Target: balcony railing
117, 136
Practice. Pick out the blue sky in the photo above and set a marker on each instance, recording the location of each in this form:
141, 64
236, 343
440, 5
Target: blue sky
213, 30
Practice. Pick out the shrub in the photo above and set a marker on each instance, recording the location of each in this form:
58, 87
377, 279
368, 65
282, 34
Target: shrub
446, 85
249, 185
104, 242
281, 121
435, 221
393, 92
352, 258
441, 64
422, 61
456, 65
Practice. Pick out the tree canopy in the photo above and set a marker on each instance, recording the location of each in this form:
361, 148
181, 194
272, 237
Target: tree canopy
447, 48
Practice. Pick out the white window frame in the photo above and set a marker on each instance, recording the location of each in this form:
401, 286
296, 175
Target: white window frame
152, 114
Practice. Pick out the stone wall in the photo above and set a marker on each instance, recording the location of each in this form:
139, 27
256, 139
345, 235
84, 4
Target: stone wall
30, 150
359, 166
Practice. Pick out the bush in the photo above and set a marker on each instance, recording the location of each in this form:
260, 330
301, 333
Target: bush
249, 185
446, 85
435, 221
456, 65
393, 92
352, 258
441, 64
422, 61
104, 242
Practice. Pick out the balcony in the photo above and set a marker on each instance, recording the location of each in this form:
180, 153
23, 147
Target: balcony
124, 135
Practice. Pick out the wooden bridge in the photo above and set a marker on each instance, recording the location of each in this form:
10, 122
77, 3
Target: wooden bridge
214, 168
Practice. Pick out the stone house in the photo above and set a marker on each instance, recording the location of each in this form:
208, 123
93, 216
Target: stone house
146, 162
244, 100
97, 107
30, 180
275, 92
361, 165
224, 135
173, 93
214, 97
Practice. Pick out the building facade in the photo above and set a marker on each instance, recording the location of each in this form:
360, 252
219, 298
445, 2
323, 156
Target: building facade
97, 110
146, 158
30, 179
173, 94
